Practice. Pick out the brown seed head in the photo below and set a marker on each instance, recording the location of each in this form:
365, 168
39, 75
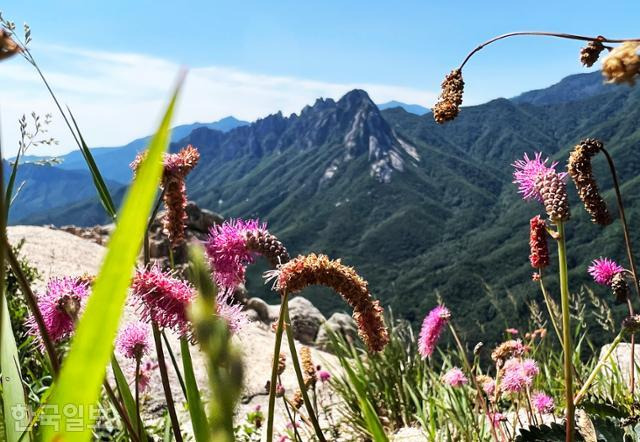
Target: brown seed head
620, 288
539, 256
507, 350
631, 324
581, 173
8, 47
313, 269
591, 52
282, 363
554, 196
622, 65
309, 370
297, 400
267, 245
448, 105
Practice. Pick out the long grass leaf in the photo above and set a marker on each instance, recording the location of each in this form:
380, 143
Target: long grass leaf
196, 410
16, 418
125, 394
11, 183
84, 369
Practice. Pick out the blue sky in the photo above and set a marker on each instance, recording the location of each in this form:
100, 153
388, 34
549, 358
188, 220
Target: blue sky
113, 61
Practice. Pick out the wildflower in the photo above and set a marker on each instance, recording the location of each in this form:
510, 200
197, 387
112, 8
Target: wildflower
508, 349
530, 368
279, 390
313, 269
622, 64
582, 175
515, 377
144, 377
487, 384
543, 403
497, 418
8, 46
526, 173
554, 195
282, 363
535, 276
324, 376
620, 288
297, 400
163, 298
133, 340
234, 244
230, 311
176, 167
454, 377
432, 327
591, 52
60, 305
308, 369
448, 105
603, 270
512, 331
539, 256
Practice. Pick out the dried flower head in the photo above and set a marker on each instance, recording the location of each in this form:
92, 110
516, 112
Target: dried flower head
282, 363
620, 288
297, 399
622, 65
631, 324
8, 46
539, 257
308, 369
542, 403
133, 340
526, 173
591, 52
603, 270
279, 390
60, 305
454, 377
163, 298
488, 384
432, 327
313, 269
507, 350
554, 196
582, 175
176, 167
448, 105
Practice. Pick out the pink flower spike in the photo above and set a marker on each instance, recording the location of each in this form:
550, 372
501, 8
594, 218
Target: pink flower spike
133, 340
527, 171
227, 250
604, 269
230, 311
324, 376
432, 327
455, 377
543, 403
60, 305
530, 368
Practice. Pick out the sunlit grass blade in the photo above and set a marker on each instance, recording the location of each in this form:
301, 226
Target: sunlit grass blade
98, 181
125, 394
11, 183
196, 410
16, 418
85, 366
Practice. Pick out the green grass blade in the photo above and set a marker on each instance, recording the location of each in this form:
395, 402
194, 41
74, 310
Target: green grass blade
84, 369
125, 394
16, 418
98, 181
196, 410
11, 183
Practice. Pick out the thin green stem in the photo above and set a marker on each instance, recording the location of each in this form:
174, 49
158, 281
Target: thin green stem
552, 315
298, 370
596, 369
165, 383
137, 387
274, 369
174, 361
566, 331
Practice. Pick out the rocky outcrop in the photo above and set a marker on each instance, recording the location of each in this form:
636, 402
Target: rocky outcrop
340, 324
306, 320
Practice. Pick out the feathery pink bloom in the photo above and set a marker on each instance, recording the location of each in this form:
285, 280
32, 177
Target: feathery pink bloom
604, 269
496, 418
144, 377
432, 327
518, 375
163, 298
60, 305
543, 403
230, 311
454, 377
530, 368
324, 376
227, 250
489, 387
133, 340
528, 170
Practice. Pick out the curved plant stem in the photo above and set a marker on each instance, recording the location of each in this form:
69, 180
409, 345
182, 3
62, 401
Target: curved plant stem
596, 369
566, 331
543, 34
467, 365
298, 370
630, 257
33, 307
274, 370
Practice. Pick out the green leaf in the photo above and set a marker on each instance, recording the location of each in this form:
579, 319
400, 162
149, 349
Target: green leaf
11, 183
125, 394
83, 371
16, 417
196, 410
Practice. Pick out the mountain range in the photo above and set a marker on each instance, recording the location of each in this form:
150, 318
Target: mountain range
426, 213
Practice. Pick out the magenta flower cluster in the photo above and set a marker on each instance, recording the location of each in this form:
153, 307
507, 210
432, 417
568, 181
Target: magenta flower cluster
528, 170
432, 327
518, 375
60, 305
230, 311
133, 340
455, 377
227, 250
542, 402
604, 269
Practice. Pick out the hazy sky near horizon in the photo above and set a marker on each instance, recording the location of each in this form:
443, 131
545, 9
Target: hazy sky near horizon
114, 62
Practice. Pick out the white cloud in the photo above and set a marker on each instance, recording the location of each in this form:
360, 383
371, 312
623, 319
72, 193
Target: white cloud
117, 97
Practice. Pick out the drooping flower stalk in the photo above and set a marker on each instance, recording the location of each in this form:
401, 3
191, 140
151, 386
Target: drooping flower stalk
622, 65
450, 99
